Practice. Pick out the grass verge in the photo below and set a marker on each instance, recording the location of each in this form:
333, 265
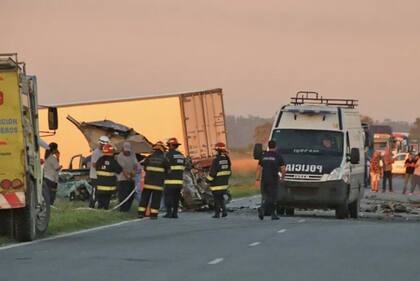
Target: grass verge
69, 216
72, 216
243, 185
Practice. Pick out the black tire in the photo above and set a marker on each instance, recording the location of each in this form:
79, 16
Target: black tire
24, 219
342, 212
6, 225
354, 209
43, 212
32, 221
281, 211
290, 212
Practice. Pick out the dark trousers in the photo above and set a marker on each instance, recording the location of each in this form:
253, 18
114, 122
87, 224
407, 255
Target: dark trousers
52, 189
172, 198
92, 199
387, 176
269, 192
219, 201
152, 196
103, 198
124, 189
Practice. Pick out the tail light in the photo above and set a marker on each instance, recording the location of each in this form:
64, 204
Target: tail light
6, 184
16, 184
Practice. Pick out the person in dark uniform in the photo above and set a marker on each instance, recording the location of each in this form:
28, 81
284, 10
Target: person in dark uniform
218, 179
154, 165
174, 181
270, 164
107, 169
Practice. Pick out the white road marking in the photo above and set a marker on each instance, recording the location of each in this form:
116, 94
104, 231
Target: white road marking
254, 244
281, 231
301, 221
18, 245
216, 261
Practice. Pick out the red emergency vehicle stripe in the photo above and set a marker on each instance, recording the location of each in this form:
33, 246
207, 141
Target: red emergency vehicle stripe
11, 200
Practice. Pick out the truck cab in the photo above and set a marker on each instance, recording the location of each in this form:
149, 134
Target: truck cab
322, 143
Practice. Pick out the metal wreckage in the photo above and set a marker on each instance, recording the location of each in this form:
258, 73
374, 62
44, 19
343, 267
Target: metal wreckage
74, 182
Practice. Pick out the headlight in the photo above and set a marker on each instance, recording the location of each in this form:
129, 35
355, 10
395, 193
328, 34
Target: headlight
334, 175
338, 174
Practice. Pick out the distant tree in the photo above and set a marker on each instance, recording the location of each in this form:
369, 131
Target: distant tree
415, 130
241, 130
262, 133
367, 119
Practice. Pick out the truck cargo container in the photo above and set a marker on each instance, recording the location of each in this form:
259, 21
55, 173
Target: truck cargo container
196, 118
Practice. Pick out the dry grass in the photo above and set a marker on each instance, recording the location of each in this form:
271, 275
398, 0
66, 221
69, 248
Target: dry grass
243, 179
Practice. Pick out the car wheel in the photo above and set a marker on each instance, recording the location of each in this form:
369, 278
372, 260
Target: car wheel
290, 212
342, 212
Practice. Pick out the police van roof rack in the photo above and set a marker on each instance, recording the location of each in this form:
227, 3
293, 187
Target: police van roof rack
310, 97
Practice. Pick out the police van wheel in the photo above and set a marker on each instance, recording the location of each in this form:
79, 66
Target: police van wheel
281, 211
290, 212
342, 212
354, 208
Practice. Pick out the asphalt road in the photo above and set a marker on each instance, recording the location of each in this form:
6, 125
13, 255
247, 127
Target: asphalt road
240, 247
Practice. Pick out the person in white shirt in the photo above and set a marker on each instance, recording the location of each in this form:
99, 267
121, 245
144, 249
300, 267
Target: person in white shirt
51, 169
126, 179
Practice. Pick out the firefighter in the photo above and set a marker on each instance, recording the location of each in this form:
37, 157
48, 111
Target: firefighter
154, 165
174, 181
107, 169
218, 179
96, 154
270, 164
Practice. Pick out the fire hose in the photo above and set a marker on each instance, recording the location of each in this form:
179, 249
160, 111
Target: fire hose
124, 201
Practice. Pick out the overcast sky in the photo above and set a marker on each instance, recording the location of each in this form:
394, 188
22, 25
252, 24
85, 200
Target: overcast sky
259, 52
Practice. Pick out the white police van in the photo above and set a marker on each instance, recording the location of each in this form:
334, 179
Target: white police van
322, 143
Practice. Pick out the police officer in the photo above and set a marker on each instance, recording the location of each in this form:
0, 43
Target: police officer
218, 178
270, 164
107, 169
175, 162
154, 165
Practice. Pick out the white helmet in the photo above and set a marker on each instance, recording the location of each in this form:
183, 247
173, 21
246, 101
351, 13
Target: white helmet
104, 140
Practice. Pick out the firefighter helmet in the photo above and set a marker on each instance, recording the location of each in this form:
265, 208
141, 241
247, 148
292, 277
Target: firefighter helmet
103, 140
159, 146
173, 141
220, 146
108, 149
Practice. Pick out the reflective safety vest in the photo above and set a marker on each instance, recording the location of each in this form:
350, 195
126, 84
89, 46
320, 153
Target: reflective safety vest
220, 173
155, 167
107, 169
175, 166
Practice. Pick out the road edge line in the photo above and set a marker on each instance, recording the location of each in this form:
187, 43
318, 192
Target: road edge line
59, 236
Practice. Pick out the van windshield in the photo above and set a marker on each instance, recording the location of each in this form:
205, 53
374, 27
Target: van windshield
312, 142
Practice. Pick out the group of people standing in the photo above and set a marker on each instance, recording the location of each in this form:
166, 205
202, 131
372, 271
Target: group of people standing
381, 167
163, 176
